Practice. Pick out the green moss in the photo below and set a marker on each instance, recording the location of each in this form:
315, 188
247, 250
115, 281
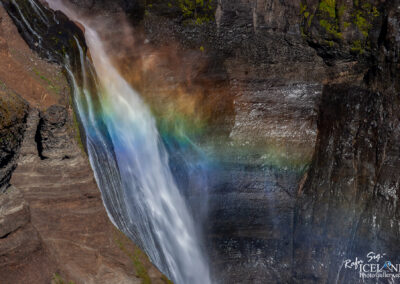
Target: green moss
363, 17
330, 17
303, 8
329, 7
196, 12
328, 14
57, 279
166, 280
375, 12
362, 24
357, 47
135, 255
310, 20
330, 28
341, 11
303, 34
308, 17
50, 85
77, 132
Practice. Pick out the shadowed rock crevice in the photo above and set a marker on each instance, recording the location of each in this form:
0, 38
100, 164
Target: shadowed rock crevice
38, 140
349, 204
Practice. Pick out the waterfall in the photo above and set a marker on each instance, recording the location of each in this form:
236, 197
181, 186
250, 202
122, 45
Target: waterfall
143, 194
130, 162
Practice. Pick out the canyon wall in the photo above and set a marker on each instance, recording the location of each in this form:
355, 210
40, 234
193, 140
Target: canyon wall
53, 226
305, 76
307, 170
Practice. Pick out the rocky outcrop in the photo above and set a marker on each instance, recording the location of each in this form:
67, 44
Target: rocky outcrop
19, 240
348, 205
13, 112
53, 225
65, 204
52, 134
53, 220
349, 202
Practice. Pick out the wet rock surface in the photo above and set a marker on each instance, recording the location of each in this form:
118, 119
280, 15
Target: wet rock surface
317, 84
348, 206
272, 223
53, 225
53, 220
301, 77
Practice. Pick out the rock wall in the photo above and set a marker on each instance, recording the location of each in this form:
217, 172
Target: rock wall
348, 205
13, 113
53, 225
286, 61
313, 92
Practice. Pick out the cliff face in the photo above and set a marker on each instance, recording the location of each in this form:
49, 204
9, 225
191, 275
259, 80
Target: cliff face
348, 206
53, 226
308, 171
12, 126
280, 57
303, 75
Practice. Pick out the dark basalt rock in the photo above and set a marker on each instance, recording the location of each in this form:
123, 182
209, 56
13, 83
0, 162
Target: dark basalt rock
55, 35
52, 134
348, 206
13, 113
262, 228
273, 224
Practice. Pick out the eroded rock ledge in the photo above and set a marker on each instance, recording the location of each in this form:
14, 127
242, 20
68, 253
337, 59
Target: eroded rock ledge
52, 220
52, 217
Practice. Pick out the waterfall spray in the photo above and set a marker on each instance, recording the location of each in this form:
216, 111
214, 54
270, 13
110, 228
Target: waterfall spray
154, 211
129, 159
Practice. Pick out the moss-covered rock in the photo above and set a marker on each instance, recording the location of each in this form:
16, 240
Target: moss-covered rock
353, 26
195, 12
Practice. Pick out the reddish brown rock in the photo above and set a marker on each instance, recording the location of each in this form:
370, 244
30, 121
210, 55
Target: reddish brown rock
53, 224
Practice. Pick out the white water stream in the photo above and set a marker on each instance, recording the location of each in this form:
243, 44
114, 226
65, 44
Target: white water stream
131, 167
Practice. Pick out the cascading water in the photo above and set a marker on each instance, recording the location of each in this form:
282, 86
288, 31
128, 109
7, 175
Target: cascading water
128, 157
149, 203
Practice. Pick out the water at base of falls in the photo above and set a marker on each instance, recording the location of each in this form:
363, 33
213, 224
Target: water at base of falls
131, 166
